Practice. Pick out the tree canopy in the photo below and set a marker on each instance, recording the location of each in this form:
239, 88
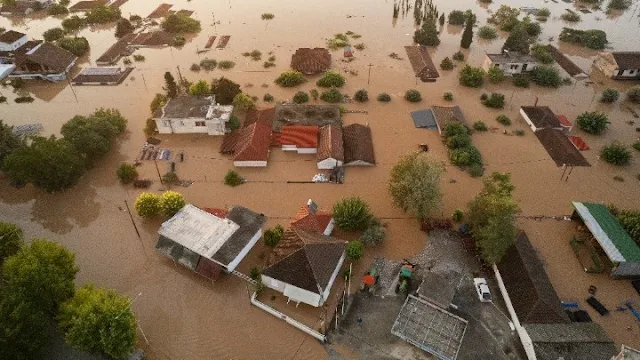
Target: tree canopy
78, 46
225, 90
178, 23
8, 141
517, 41
491, 217
352, 214
200, 88
123, 27
103, 15
11, 240
467, 35
414, 184
99, 321
23, 331
427, 34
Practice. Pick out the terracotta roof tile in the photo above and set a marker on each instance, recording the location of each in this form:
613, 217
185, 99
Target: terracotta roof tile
253, 143
311, 61
264, 116
358, 145
300, 136
330, 145
564, 121
305, 220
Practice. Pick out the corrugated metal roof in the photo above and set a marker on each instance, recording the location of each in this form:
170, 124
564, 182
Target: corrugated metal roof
300, 136
611, 236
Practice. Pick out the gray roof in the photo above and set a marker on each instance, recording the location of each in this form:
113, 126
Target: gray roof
177, 252
439, 288
573, 341
511, 57
9, 37
424, 119
250, 223
186, 107
627, 59
542, 116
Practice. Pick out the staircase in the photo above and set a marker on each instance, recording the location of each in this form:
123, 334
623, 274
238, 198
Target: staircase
244, 277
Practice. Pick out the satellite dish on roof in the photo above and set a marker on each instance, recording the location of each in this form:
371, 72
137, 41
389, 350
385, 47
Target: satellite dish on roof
312, 206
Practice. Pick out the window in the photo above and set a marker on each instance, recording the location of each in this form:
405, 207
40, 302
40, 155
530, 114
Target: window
514, 66
496, 65
524, 67
200, 123
166, 123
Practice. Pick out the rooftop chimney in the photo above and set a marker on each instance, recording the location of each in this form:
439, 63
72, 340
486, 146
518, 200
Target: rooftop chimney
312, 206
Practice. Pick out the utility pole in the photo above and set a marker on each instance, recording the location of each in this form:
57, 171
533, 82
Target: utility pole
369, 77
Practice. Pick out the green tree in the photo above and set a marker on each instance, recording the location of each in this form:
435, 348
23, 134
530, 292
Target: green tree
414, 184
352, 214
233, 179
541, 54
233, 123
616, 153
273, 236
467, 35
290, 78
446, 64
103, 15
8, 141
48, 163
355, 249
99, 321
11, 240
43, 272
517, 41
609, 96
201, 88
505, 17
491, 217
496, 75
243, 102
533, 29
413, 95
23, 327
494, 101
487, 32
361, 95
53, 34
593, 122
630, 221
123, 28
170, 85
158, 102
332, 96
331, 79
73, 23
57, 9
224, 90
178, 23
634, 94
471, 77
78, 46
300, 97
374, 235
427, 34
148, 205
127, 173
171, 202
546, 76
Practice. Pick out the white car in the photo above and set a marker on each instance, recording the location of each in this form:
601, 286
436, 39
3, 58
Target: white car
482, 289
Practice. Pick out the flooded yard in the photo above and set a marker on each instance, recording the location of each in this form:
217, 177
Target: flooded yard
184, 316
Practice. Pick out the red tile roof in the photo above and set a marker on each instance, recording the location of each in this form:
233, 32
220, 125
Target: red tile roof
311, 61
306, 220
300, 136
253, 143
264, 116
564, 121
330, 144
217, 212
579, 143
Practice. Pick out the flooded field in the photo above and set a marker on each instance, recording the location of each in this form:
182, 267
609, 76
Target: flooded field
184, 316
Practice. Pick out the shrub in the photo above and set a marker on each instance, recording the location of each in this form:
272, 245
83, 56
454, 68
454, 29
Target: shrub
267, 98
504, 120
374, 235
616, 153
352, 214
127, 173
546, 76
475, 170
458, 141
290, 78
636, 145
446, 64
57, 9
458, 56
267, 16
234, 123
456, 17
331, 79
123, 27
254, 273
195, 67
332, 96
268, 64
544, 12
138, 57
360, 46
170, 178
361, 96
243, 102
53, 34
384, 97
570, 16
172, 202
634, 94
541, 54
487, 32
593, 39
178, 41
102, 15
533, 29
413, 96
233, 179
496, 75
226, 64
201, 88
471, 77
177, 23
447, 96
619, 4
480, 126
273, 236
457, 215
593, 122
355, 249
208, 64
78, 46
519, 132
301, 97
150, 127
73, 23
520, 81
466, 156
609, 96
314, 94
453, 129
135, 18
148, 205
255, 55
495, 101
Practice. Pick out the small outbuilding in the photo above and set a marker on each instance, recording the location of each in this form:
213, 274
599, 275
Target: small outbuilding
358, 146
209, 244
330, 147
560, 148
510, 62
101, 76
193, 115
311, 61
444, 115
620, 65
311, 218
12, 40
616, 243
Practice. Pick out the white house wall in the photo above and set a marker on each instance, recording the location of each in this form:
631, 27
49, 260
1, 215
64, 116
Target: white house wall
294, 293
14, 45
299, 150
329, 229
336, 271
250, 163
526, 118
233, 264
328, 164
358, 163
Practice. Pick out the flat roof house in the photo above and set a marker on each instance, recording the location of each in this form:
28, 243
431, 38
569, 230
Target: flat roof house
621, 65
510, 62
44, 61
358, 146
330, 147
193, 115
310, 218
209, 244
304, 265
12, 40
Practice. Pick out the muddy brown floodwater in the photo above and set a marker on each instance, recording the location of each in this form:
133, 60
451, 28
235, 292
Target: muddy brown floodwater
184, 317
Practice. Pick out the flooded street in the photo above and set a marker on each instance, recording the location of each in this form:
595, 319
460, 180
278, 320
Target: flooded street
185, 317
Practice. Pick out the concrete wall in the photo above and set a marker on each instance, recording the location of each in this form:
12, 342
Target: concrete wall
302, 295
329, 229
13, 46
188, 126
605, 63
250, 163
299, 150
358, 163
233, 264
327, 291
288, 319
328, 164
526, 118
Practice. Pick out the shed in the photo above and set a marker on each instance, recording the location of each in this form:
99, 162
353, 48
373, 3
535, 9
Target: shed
330, 147
573, 341
101, 76
424, 119
358, 146
420, 60
619, 247
448, 114
532, 295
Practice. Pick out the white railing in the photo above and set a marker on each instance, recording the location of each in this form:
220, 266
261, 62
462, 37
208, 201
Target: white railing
288, 319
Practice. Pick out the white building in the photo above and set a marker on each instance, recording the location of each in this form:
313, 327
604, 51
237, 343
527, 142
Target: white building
304, 265
510, 62
193, 115
210, 244
12, 40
